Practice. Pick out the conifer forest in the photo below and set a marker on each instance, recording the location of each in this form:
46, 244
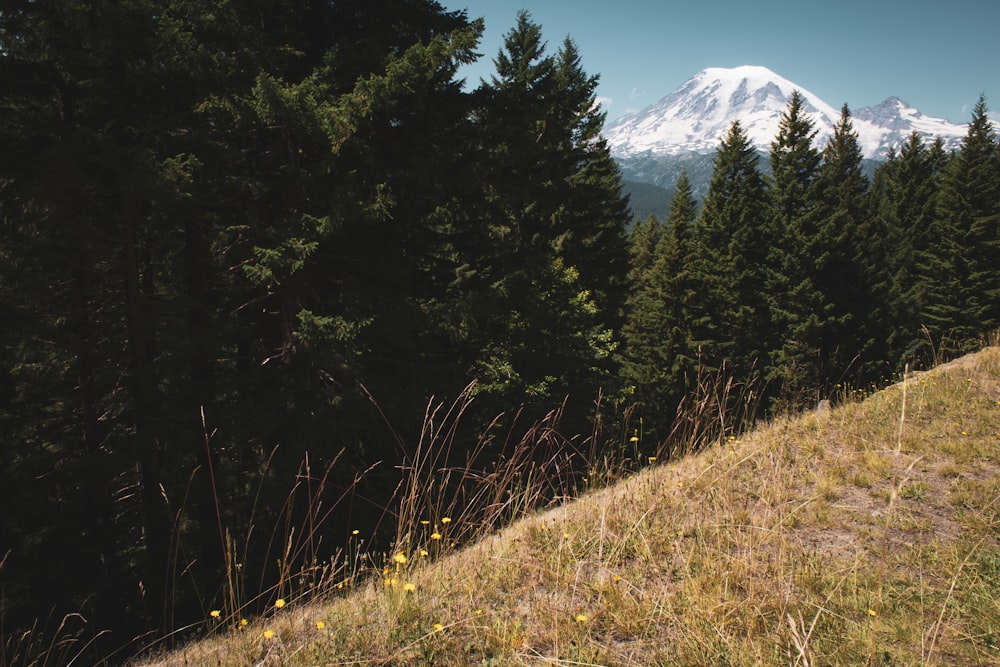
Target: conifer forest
245, 244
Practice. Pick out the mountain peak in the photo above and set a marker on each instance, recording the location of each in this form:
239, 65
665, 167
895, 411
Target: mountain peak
696, 116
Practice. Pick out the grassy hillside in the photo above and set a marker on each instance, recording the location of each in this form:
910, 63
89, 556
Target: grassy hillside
869, 534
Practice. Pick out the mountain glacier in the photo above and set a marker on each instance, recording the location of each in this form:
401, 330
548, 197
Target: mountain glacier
694, 118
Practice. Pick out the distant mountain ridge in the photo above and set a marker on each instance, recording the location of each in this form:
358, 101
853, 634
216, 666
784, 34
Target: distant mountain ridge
682, 131
696, 116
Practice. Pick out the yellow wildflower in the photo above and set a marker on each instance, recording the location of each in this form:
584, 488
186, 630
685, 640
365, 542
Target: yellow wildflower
320, 625
446, 519
279, 603
581, 618
435, 535
438, 627
268, 634
400, 558
409, 587
215, 613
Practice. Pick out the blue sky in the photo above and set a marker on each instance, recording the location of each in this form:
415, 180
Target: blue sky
937, 55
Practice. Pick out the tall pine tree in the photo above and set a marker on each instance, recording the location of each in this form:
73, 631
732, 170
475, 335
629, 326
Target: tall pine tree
963, 269
800, 311
732, 323
904, 204
659, 362
842, 258
554, 219
203, 202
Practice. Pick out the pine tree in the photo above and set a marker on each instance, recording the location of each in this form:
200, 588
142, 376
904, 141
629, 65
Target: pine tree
209, 205
904, 200
594, 211
843, 258
800, 311
84, 120
659, 362
555, 253
643, 306
963, 272
643, 239
732, 322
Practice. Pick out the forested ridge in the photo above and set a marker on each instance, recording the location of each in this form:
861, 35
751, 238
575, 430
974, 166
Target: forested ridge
243, 245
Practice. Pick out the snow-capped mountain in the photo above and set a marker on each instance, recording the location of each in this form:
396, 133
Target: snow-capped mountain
893, 121
695, 117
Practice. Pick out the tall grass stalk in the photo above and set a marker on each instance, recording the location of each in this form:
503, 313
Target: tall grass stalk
717, 408
466, 491
814, 539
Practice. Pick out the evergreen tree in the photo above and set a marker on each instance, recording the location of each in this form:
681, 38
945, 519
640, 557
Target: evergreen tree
842, 255
659, 362
206, 208
732, 321
85, 120
594, 212
904, 200
963, 272
643, 239
800, 311
554, 221
643, 307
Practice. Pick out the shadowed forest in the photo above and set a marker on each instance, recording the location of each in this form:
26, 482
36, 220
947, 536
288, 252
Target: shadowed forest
245, 244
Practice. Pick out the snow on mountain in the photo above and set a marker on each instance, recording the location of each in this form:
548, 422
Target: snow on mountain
695, 117
893, 121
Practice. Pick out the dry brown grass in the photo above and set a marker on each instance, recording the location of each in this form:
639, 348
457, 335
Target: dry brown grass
866, 535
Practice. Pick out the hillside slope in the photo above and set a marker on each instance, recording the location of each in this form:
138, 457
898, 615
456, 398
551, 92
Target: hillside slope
868, 534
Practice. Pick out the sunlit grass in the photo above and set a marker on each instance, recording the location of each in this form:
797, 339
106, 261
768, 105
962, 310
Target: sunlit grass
869, 535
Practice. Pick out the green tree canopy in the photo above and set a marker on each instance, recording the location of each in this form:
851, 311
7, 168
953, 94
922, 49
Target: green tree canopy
963, 264
843, 260
904, 203
659, 362
555, 224
732, 239
800, 310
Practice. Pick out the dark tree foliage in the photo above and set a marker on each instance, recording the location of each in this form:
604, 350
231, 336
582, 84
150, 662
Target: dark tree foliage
962, 276
843, 260
732, 240
800, 309
643, 239
224, 228
658, 362
229, 212
904, 199
556, 216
